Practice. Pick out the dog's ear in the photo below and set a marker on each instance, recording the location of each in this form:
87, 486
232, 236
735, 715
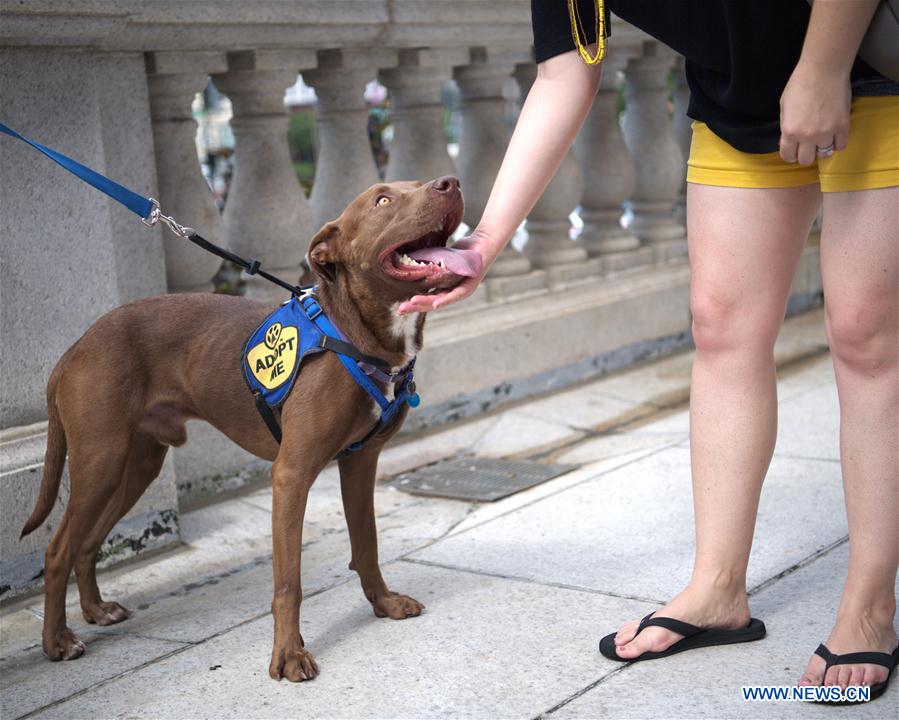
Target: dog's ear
321, 256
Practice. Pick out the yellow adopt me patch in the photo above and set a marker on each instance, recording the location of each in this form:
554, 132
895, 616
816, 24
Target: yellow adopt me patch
273, 360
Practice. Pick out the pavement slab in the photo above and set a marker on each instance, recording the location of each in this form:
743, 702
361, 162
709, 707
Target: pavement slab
809, 425
484, 648
630, 531
31, 682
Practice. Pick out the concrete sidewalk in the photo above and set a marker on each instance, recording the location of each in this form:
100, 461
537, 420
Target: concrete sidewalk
518, 591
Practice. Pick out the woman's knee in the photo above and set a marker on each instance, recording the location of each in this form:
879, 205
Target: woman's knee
863, 334
724, 321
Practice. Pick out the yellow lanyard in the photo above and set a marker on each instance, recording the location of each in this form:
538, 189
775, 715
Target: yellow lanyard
577, 30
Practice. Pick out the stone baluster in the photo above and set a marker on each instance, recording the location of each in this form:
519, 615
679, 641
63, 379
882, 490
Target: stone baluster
418, 150
344, 164
682, 129
174, 79
549, 245
608, 173
267, 215
657, 156
482, 145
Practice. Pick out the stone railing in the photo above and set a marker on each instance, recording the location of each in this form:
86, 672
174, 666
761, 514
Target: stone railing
111, 83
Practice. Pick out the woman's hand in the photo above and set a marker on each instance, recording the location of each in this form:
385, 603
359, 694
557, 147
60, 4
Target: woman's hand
815, 104
814, 113
428, 303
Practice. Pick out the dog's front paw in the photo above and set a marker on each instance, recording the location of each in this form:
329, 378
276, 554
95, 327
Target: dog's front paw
105, 613
394, 605
294, 663
63, 645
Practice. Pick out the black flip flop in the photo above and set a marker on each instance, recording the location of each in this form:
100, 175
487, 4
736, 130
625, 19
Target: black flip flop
694, 637
887, 660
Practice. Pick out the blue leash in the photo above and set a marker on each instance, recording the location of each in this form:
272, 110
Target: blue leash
148, 210
137, 204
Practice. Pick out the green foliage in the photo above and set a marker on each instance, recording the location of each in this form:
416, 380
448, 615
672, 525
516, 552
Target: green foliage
301, 135
305, 172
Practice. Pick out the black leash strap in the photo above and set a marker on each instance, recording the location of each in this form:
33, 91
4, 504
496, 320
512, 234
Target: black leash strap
251, 267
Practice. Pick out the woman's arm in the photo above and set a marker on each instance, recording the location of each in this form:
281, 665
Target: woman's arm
814, 107
554, 111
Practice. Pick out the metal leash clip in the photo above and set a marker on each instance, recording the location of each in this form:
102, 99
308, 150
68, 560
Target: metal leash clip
156, 216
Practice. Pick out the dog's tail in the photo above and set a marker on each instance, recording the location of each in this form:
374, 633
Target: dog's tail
54, 460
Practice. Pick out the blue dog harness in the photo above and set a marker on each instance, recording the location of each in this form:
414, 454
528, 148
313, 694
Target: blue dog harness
274, 352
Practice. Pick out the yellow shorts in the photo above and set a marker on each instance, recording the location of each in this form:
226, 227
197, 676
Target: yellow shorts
870, 160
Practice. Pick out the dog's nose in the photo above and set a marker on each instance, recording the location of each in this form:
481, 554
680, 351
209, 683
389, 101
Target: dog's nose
446, 184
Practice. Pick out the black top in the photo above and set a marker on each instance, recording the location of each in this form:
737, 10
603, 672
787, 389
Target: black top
739, 55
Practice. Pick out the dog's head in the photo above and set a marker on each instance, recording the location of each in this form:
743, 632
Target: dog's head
394, 235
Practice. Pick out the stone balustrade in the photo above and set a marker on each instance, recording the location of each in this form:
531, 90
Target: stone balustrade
112, 83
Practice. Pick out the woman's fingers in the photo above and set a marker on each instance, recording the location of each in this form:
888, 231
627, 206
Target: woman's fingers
789, 148
808, 151
429, 303
841, 139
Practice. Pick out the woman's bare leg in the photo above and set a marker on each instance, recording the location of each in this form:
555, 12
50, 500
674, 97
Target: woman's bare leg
860, 268
744, 248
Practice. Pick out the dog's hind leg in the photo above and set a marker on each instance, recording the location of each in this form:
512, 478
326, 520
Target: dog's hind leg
145, 458
94, 479
357, 488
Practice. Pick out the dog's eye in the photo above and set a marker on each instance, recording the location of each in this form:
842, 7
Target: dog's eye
383, 200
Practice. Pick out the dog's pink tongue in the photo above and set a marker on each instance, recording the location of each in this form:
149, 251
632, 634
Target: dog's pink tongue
466, 263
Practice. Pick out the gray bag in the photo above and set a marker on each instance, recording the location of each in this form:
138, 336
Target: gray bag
880, 45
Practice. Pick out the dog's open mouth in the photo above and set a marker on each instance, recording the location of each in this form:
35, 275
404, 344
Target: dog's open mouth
427, 258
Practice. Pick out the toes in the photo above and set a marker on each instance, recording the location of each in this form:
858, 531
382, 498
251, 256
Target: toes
117, 612
814, 673
412, 607
396, 606
854, 676
650, 640
295, 672
844, 675
75, 650
65, 645
105, 613
300, 668
626, 633
873, 675
295, 666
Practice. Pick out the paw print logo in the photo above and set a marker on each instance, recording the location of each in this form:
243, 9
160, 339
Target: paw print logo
272, 335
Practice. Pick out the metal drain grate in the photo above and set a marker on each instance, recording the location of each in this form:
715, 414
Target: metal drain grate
477, 479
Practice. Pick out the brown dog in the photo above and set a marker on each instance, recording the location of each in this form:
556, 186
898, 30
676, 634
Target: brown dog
178, 357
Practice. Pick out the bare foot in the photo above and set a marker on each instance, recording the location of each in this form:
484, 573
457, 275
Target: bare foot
856, 632
394, 605
63, 645
292, 662
705, 609
105, 613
